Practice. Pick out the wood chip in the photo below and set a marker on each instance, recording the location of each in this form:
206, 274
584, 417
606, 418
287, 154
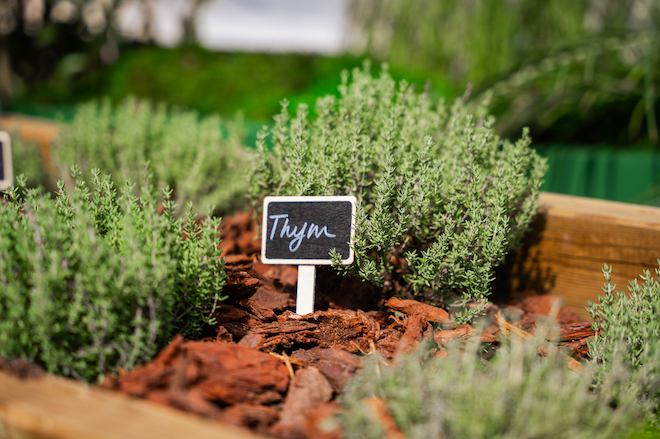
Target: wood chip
384, 417
416, 326
412, 307
445, 336
285, 327
576, 331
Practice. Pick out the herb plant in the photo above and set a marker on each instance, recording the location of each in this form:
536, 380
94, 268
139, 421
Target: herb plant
514, 394
627, 332
186, 153
92, 281
432, 181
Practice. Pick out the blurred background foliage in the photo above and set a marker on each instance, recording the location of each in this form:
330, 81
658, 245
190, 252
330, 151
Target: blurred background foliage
579, 73
572, 70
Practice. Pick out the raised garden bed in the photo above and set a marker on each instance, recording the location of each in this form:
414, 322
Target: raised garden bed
572, 238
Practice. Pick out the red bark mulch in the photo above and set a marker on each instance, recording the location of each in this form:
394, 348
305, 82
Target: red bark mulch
265, 368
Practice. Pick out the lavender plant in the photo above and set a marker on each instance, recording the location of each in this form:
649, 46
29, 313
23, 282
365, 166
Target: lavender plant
186, 152
514, 394
432, 180
94, 280
627, 332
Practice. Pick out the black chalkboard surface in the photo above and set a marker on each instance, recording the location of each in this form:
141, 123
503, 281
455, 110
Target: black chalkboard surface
303, 230
6, 171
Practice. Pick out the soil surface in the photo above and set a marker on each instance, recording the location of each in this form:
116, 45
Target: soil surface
268, 369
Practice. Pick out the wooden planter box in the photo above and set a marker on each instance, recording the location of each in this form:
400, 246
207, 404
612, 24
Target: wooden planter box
572, 238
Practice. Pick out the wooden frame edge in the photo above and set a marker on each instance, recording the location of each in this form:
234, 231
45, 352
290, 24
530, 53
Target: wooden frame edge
570, 241
52, 407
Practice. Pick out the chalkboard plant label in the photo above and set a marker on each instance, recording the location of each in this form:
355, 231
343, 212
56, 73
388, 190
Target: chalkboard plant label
303, 231
6, 170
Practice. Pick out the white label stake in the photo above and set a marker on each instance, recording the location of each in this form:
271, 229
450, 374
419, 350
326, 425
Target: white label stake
305, 289
6, 170
303, 231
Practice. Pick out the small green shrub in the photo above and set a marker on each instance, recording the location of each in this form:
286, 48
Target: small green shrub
514, 394
627, 332
92, 280
432, 181
186, 153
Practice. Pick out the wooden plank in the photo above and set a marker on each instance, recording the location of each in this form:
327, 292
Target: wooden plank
573, 237
57, 408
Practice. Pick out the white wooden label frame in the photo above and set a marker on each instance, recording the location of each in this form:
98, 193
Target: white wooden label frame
7, 174
306, 199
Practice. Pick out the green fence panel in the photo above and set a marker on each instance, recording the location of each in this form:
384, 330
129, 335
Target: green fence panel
597, 176
628, 175
633, 174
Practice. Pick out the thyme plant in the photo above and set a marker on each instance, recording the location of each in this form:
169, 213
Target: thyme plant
627, 332
186, 152
514, 394
93, 280
433, 183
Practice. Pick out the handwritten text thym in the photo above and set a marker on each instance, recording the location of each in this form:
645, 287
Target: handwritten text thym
314, 230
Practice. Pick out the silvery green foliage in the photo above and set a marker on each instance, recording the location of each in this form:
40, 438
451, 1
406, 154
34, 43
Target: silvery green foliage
186, 152
431, 178
515, 394
628, 338
92, 280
